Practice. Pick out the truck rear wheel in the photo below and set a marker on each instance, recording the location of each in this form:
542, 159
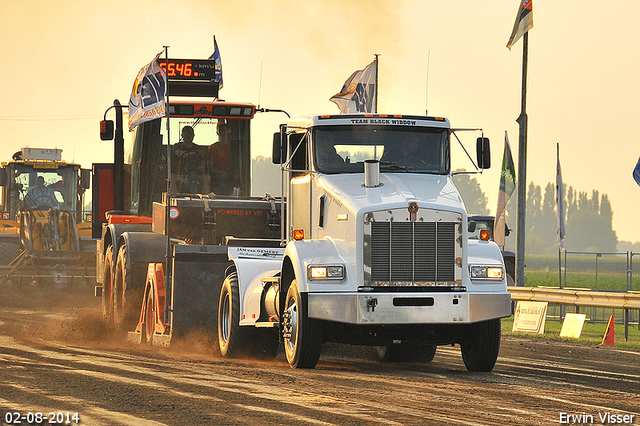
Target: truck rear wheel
148, 328
232, 338
126, 304
481, 345
407, 353
302, 335
107, 286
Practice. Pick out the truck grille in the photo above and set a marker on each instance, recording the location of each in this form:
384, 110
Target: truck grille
412, 253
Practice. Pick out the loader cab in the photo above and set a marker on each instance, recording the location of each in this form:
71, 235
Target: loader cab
210, 153
33, 186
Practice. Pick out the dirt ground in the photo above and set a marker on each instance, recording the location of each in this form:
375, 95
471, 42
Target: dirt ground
58, 358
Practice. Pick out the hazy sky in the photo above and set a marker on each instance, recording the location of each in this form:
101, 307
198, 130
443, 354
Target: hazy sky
64, 62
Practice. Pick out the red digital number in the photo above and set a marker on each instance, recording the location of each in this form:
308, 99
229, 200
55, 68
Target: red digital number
180, 69
172, 70
187, 69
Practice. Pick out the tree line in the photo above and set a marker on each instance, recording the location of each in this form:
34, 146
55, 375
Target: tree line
588, 217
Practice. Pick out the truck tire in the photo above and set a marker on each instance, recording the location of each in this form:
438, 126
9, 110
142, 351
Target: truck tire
148, 328
302, 335
8, 252
127, 297
511, 271
232, 339
407, 353
107, 287
481, 345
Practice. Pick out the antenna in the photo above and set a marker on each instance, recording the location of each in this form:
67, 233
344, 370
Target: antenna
260, 86
426, 101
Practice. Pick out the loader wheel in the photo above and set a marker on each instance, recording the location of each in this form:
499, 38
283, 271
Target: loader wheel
8, 252
232, 339
126, 306
107, 287
481, 345
407, 353
302, 335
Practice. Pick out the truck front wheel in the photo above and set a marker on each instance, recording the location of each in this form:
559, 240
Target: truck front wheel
481, 345
126, 296
302, 335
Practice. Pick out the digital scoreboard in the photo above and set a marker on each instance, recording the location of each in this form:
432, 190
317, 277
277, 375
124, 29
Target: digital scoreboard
188, 69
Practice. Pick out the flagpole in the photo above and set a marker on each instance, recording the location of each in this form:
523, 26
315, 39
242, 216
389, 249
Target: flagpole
522, 169
376, 105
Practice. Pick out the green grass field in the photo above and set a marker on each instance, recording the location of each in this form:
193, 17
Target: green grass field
605, 273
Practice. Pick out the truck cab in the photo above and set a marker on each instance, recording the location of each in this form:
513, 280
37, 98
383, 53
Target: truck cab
376, 249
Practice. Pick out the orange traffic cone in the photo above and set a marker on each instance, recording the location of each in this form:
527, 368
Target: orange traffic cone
609, 335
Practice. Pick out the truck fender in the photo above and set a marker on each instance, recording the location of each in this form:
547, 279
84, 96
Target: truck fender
251, 265
300, 254
144, 247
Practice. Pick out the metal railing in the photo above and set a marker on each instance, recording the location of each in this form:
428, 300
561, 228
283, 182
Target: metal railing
595, 283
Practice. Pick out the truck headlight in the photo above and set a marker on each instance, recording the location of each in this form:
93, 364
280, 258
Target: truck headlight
333, 272
490, 272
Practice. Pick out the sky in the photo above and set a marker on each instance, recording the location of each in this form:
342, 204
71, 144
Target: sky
64, 62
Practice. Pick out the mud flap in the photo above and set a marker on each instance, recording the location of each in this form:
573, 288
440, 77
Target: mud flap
198, 273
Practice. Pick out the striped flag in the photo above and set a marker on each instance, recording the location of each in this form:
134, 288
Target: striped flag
507, 186
524, 22
560, 205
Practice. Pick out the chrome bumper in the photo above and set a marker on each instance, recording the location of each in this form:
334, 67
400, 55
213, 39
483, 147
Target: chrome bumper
409, 308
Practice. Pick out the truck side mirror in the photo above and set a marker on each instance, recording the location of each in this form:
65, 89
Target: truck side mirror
484, 153
278, 151
471, 226
85, 178
3, 176
106, 130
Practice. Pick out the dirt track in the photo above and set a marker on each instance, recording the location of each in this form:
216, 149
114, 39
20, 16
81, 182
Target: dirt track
56, 356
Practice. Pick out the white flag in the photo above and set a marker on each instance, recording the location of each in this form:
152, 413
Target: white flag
358, 93
524, 22
146, 102
507, 186
560, 205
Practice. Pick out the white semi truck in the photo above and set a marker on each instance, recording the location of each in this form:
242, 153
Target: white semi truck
374, 249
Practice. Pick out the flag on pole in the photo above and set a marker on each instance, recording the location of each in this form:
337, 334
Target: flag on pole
560, 204
218, 63
147, 99
524, 22
636, 172
507, 186
358, 93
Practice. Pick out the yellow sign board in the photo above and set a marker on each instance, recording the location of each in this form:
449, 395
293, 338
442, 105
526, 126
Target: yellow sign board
45, 165
572, 325
529, 317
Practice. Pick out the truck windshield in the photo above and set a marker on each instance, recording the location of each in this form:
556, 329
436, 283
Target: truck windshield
209, 155
343, 149
43, 189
